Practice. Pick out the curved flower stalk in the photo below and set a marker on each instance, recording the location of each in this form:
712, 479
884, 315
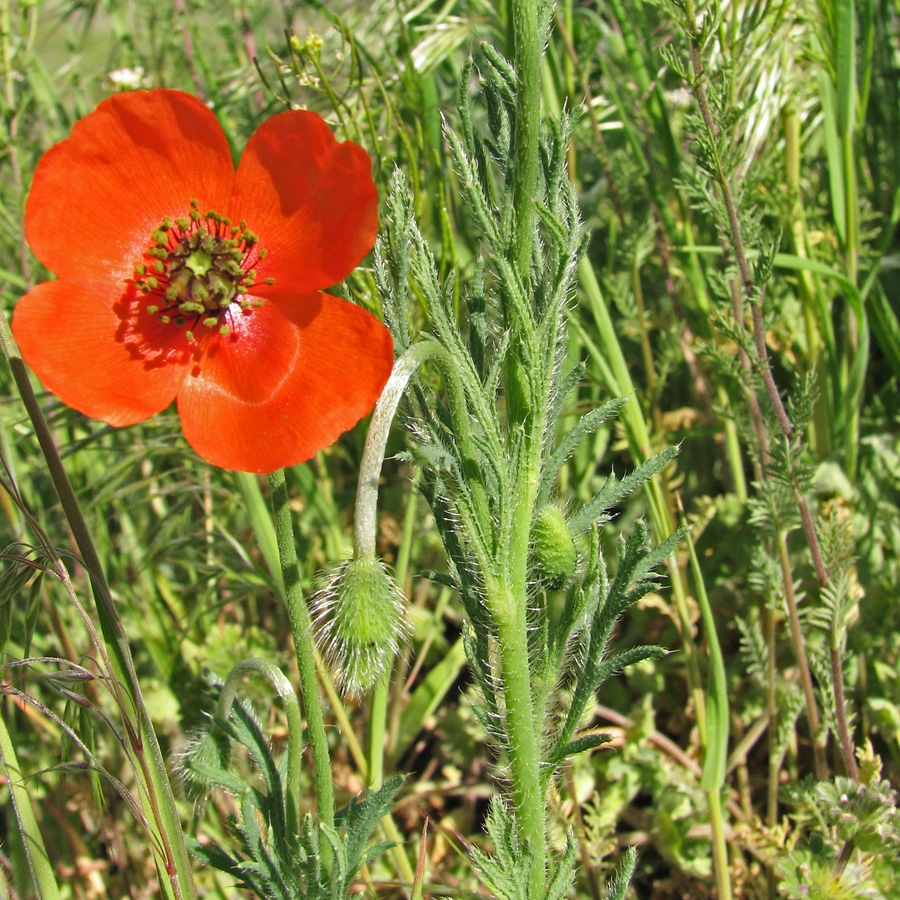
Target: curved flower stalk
359, 607
180, 278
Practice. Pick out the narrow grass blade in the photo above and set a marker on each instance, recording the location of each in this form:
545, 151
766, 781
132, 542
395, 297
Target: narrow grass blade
38, 861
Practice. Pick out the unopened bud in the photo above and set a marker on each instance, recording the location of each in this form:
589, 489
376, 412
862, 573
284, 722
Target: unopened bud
359, 623
553, 553
203, 761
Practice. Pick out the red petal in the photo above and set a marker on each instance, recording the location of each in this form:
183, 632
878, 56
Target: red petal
140, 156
290, 378
95, 347
310, 199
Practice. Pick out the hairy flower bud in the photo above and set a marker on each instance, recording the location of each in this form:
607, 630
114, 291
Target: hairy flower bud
204, 761
359, 622
553, 553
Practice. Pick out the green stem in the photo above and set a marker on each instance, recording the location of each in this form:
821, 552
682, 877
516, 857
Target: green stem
377, 719
852, 266
840, 709
365, 512
364, 534
507, 601
817, 344
303, 646
527, 61
720, 848
508, 609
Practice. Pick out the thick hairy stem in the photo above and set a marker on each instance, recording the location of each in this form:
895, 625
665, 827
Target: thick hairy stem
508, 608
526, 140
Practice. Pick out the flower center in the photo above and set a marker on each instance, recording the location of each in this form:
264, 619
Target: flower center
197, 270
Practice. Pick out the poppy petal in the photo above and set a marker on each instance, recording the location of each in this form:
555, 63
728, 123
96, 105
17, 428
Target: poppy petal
95, 347
310, 199
290, 378
141, 155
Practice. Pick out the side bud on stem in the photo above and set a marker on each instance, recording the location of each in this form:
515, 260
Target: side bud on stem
553, 554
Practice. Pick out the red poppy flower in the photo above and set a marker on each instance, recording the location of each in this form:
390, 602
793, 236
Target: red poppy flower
179, 278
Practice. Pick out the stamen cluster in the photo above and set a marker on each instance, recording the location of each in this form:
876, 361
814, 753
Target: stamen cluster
197, 267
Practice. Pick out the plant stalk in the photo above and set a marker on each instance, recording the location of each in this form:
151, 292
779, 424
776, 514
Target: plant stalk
527, 45
303, 646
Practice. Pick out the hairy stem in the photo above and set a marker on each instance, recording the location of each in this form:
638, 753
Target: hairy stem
527, 62
508, 608
303, 646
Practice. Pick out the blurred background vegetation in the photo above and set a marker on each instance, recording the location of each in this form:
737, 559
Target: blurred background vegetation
805, 98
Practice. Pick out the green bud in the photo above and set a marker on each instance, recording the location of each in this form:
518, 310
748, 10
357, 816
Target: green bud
553, 553
358, 614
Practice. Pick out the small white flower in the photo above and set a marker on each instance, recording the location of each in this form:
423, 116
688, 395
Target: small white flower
126, 79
